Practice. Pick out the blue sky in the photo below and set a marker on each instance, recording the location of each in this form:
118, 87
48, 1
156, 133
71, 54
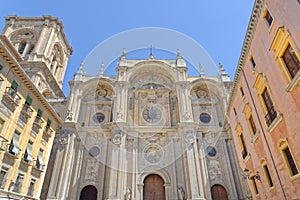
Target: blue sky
218, 26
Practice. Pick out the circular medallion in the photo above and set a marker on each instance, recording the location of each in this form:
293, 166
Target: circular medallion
152, 114
117, 139
94, 151
211, 151
205, 118
102, 92
99, 117
153, 153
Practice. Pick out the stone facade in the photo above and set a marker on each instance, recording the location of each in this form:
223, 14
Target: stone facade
264, 105
150, 132
149, 119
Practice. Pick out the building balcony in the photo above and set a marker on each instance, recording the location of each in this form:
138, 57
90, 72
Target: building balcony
26, 113
48, 131
270, 116
13, 150
37, 124
12, 95
27, 158
3, 143
244, 154
37, 165
26, 110
11, 99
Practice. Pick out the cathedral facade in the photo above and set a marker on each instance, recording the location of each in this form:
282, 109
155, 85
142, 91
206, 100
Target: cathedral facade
150, 132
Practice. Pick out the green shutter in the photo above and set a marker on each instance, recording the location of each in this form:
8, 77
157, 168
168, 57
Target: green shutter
40, 157
49, 122
28, 100
39, 113
29, 152
14, 85
16, 138
15, 141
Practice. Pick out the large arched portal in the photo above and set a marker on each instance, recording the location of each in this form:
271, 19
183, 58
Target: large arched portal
218, 192
154, 188
88, 193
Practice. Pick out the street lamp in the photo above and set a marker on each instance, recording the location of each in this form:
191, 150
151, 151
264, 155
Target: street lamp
247, 174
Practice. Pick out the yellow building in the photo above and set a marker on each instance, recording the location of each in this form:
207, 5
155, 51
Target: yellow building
31, 72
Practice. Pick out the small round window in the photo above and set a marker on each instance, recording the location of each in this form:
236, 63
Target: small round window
99, 117
94, 151
211, 151
205, 118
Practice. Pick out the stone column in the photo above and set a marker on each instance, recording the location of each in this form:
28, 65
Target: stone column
203, 167
118, 160
121, 101
39, 44
193, 165
63, 167
184, 101
26, 49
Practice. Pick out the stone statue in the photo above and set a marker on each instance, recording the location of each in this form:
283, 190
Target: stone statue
181, 193
128, 194
69, 115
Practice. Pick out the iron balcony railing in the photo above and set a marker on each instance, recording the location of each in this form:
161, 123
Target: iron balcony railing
38, 121
13, 95
244, 154
270, 116
13, 149
26, 109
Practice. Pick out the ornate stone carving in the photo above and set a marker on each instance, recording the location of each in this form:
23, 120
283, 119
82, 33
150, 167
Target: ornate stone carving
153, 153
91, 170
128, 194
181, 192
214, 169
189, 136
117, 139
152, 114
69, 115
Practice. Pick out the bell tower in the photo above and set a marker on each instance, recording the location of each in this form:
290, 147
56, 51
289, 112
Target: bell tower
42, 44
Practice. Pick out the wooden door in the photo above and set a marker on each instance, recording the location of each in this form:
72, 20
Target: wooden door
154, 188
88, 193
218, 192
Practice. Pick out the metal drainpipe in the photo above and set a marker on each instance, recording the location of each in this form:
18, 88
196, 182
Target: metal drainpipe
264, 135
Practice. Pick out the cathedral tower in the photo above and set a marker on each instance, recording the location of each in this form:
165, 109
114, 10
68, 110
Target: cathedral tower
42, 44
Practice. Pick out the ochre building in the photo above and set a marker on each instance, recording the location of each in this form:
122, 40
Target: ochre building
28, 122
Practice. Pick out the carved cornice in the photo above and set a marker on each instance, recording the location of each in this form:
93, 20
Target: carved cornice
256, 12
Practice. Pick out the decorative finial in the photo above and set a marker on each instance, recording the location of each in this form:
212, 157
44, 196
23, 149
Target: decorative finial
151, 57
221, 67
101, 72
222, 71
80, 73
178, 54
80, 69
201, 70
124, 53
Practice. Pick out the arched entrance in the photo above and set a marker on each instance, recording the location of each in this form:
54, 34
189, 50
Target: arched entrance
154, 188
218, 192
88, 193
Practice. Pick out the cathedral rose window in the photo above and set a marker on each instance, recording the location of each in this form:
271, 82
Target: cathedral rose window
205, 118
99, 117
211, 151
152, 114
